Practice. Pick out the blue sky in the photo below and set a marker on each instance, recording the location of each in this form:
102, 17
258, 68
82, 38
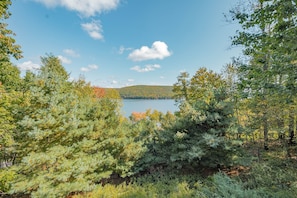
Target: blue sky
116, 43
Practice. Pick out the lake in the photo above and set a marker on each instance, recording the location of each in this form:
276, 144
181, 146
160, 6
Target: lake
141, 105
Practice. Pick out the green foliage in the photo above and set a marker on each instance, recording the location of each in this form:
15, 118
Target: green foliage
201, 86
51, 66
277, 179
6, 120
147, 186
144, 91
7, 42
180, 88
59, 138
8, 103
220, 185
112, 94
7, 176
200, 134
68, 140
268, 77
9, 76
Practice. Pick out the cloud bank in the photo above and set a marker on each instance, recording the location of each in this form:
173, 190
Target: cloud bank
87, 8
158, 50
147, 68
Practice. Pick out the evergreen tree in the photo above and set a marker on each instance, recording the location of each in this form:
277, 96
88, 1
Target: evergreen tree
68, 141
201, 135
203, 129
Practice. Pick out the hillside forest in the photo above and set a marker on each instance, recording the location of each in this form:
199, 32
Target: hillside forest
146, 92
234, 134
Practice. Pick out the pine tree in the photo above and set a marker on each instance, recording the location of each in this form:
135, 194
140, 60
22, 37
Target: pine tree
69, 141
203, 129
202, 134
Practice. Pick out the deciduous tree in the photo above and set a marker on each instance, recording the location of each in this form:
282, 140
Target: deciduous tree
7, 42
268, 36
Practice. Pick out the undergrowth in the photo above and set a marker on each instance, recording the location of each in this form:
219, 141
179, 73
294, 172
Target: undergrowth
273, 176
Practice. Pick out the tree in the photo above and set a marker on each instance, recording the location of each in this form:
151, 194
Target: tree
9, 76
285, 35
7, 127
180, 88
68, 139
199, 86
7, 42
201, 132
269, 39
200, 136
204, 83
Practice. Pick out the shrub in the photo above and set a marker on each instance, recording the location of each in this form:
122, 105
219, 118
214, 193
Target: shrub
220, 185
7, 175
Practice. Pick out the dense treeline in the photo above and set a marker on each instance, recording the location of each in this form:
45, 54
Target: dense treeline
233, 135
146, 92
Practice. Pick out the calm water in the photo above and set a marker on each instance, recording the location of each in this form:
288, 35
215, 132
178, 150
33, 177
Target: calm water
141, 105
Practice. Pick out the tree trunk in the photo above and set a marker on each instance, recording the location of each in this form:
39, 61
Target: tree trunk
265, 131
291, 127
281, 126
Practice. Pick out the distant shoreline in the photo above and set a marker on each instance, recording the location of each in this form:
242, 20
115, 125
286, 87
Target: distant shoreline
146, 92
146, 98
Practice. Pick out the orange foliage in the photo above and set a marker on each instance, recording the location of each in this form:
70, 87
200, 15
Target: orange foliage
99, 92
136, 116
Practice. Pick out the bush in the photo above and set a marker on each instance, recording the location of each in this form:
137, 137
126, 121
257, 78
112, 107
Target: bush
220, 185
155, 185
278, 181
6, 177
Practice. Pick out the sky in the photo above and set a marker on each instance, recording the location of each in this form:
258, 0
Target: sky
117, 43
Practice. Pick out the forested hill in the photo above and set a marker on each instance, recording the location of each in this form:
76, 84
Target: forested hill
146, 91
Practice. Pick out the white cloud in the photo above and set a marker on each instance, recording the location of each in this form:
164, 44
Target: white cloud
85, 7
93, 66
89, 68
64, 59
28, 65
130, 80
84, 69
94, 29
71, 53
114, 82
122, 49
147, 68
158, 50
